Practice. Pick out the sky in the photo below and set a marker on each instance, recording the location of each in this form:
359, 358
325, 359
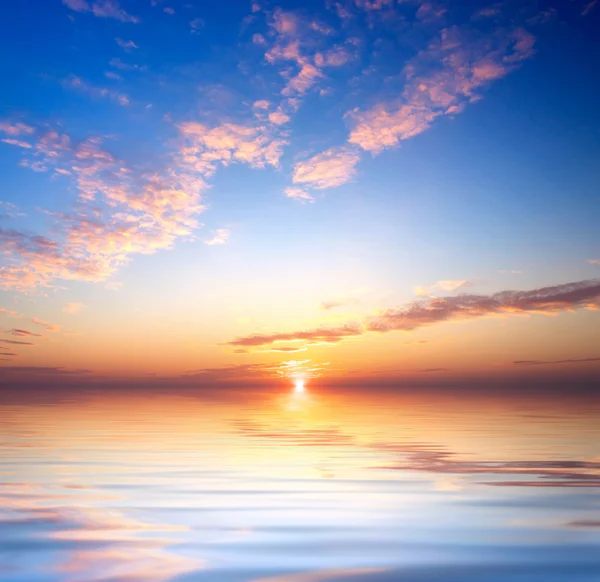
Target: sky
332, 191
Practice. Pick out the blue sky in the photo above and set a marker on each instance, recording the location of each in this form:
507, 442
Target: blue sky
203, 172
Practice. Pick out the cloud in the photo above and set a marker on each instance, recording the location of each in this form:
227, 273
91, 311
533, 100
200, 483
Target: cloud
23, 333
373, 4
220, 237
444, 285
101, 9
47, 326
8, 354
126, 45
285, 369
589, 7
79, 84
278, 117
323, 334
436, 310
545, 362
298, 194
17, 142
303, 42
72, 308
15, 342
594, 261
456, 68
254, 145
196, 24
425, 312
42, 370
328, 305
427, 370
119, 212
15, 128
329, 169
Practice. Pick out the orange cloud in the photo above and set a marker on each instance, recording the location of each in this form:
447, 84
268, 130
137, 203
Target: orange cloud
323, 334
424, 312
444, 285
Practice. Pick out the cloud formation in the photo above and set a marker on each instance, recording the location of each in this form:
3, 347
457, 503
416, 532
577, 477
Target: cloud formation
444, 285
285, 369
546, 300
102, 9
545, 362
435, 310
23, 333
320, 335
329, 169
441, 81
298, 194
220, 237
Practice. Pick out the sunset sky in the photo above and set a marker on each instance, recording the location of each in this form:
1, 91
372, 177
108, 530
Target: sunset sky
216, 192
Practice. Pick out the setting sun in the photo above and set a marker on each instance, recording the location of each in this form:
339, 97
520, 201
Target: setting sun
300, 291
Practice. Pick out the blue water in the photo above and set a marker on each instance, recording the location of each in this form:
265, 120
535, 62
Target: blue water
134, 485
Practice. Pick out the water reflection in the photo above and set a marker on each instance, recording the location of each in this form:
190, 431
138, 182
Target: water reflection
300, 485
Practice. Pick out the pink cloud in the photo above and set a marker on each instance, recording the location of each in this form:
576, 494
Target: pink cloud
16, 128
298, 194
461, 68
256, 146
102, 9
329, 169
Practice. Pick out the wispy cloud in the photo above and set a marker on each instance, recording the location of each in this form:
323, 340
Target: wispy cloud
42, 370
329, 169
255, 145
286, 369
431, 311
23, 333
298, 194
334, 304
546, 362
444, 285
15, 128
322, 334
126, 45
78, 84
441, 81
47, 326
102, 9
72, 308
220, 237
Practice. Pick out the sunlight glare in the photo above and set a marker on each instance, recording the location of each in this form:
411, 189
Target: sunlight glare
299, 386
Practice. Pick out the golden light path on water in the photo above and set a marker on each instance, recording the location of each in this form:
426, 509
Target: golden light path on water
300, 484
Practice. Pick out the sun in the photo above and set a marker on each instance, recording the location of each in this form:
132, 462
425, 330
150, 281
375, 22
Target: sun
299, 386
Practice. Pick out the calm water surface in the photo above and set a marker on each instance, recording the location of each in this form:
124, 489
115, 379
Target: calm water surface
301, 487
